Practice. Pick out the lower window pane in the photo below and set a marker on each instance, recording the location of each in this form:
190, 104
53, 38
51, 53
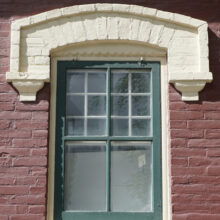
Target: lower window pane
84, 179
131, 176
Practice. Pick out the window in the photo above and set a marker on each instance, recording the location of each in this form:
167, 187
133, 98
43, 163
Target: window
108, 141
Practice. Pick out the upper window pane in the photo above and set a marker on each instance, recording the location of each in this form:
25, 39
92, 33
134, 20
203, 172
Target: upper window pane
119, 105
75, 81
96, 105
141, 82
97, 82
119, 82
75, 105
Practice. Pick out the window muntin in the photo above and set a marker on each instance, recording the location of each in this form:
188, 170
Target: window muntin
147, 157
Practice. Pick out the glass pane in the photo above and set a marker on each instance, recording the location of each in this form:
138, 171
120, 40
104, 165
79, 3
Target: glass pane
141, 105
84, 182
75, 81
75, 127
119, 82
75, 105
119, 105
96, 105
131, 177
97, 82
141, 82
141, 127
96, 127
119, 127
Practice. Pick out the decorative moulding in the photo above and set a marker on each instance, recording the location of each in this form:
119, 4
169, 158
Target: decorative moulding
28, 88
182, 38
190, 84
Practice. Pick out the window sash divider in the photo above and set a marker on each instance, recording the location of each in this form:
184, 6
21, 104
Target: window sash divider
106, 138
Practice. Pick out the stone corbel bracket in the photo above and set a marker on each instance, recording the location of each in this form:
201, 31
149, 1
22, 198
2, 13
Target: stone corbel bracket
184, 39
190, 84
27, 84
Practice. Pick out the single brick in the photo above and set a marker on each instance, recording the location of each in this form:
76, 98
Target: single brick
4, 124
30, 161
203, 143
206, 124
198, 162
40, 133
7, 106
213, 170
185, 115
39, 152
28, 217
179, 161
177, 124
213, 152
186, 152
37, 209
212, 115
189, 189
212, 133
186, 133
178, 171
27, 124
11, 190
15, 115
34, 142
15, 133
6, 97
41, 106
36, 199
180, 142
40, 116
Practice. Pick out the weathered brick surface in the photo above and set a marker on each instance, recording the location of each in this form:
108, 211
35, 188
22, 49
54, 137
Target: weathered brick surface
22, 157
194, 127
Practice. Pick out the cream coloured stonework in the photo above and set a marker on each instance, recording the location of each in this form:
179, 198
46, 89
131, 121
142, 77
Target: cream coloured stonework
183, 39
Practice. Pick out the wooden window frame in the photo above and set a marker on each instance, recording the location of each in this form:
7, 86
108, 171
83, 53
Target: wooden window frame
62, 66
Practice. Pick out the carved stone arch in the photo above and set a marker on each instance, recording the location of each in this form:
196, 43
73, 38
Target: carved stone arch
184, 39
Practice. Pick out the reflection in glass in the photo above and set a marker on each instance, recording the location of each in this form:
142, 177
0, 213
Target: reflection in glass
75, 81
119, 127
119, 82
141, 82
141, 127
97, 82
96, 127
84, 182
75, 105
119, 105
75, 127
96, 105
140, 105
131, 177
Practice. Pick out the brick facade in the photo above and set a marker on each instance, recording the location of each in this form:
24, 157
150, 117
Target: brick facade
194, 127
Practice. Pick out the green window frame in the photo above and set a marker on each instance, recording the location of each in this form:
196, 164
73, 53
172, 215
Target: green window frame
62, 137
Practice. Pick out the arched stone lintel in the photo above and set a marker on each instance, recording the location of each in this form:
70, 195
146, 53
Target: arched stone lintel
184, 38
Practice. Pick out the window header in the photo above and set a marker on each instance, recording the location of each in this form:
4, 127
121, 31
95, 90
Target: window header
184, 39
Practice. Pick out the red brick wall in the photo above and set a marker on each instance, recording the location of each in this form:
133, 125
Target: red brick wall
194, 127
